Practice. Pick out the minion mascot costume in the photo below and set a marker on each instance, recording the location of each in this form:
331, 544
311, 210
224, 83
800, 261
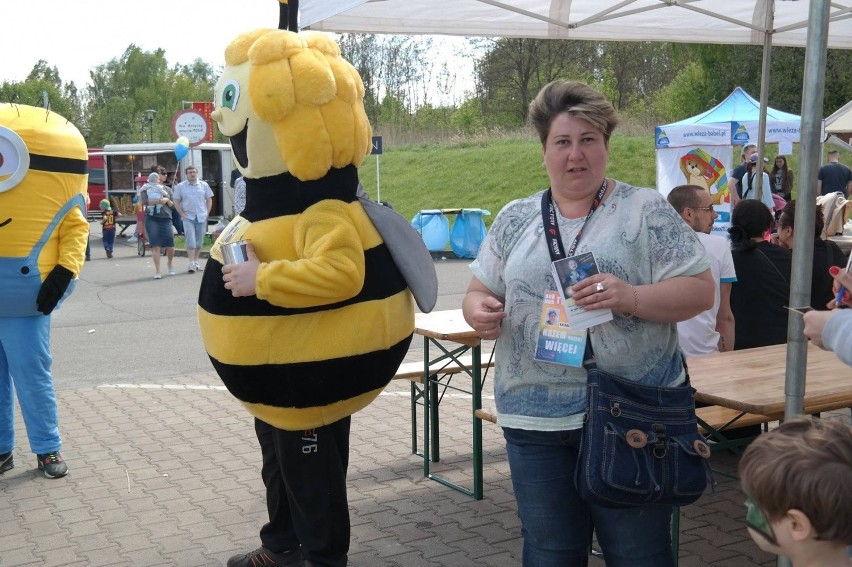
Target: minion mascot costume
312, 327
43, 234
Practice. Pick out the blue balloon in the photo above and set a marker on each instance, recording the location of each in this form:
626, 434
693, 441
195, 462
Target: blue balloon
181, 151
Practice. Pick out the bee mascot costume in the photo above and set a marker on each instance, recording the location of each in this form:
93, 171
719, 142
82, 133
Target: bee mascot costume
43, 235
314, 324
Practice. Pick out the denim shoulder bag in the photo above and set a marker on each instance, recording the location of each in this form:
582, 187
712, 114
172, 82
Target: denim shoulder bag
640, 443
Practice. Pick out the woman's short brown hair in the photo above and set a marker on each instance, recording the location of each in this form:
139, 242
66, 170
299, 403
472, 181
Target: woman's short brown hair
576, 99
805, 464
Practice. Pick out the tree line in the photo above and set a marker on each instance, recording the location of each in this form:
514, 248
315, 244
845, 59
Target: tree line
650, 83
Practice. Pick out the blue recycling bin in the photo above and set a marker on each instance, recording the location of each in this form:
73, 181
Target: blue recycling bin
468, 232
433, 227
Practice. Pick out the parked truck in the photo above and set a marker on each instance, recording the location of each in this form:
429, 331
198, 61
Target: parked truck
127, 166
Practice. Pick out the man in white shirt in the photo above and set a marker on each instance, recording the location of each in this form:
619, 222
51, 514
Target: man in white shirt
712, 330
193, 200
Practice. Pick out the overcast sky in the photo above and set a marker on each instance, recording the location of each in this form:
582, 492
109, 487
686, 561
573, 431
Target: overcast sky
78, 35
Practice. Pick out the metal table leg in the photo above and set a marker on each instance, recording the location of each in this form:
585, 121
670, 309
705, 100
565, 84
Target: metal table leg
431, 431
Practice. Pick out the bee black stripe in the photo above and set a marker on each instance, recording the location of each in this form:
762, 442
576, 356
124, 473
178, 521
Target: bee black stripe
284, 385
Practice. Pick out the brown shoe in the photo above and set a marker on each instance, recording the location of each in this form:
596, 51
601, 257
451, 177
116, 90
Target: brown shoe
262, 557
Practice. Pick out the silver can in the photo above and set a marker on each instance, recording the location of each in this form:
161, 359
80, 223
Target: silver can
235, 252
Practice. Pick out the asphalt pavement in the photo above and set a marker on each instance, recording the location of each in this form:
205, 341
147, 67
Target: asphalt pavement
165, 467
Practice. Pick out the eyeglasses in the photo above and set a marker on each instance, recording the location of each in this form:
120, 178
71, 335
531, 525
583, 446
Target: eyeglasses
758, 522
710, 208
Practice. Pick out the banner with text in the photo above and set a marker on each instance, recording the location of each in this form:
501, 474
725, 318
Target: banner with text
675, 136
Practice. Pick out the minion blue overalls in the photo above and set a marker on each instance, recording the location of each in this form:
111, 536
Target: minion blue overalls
25, 348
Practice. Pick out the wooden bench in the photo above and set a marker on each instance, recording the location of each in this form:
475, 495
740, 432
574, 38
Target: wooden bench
486, 415
716, 418
413, 372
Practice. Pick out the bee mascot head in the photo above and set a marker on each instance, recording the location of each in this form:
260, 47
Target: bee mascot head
331, 316
43, 228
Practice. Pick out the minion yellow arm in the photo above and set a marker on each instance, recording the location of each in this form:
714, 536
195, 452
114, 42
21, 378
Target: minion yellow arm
73, 234
330, 265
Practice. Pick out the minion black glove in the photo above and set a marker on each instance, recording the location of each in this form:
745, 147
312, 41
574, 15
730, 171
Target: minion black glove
52, 288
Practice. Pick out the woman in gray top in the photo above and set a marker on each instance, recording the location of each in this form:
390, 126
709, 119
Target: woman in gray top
651, 273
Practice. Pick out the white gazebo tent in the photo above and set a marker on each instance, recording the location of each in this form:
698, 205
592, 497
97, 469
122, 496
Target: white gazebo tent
813, 24
840, 123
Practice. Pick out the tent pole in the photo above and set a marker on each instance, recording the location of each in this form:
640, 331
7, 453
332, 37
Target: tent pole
768, 24
803, 250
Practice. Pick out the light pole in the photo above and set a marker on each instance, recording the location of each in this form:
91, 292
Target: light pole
149, 114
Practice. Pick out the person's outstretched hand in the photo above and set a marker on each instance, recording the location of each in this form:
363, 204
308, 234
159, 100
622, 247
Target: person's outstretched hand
814, 323
52, 289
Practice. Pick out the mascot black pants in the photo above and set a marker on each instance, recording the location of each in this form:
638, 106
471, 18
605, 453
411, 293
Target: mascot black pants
305, 477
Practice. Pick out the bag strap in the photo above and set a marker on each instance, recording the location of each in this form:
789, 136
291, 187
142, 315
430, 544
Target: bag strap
774, 267
750, 179
590, 364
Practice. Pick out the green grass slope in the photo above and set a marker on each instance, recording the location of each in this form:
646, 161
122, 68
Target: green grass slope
485, 174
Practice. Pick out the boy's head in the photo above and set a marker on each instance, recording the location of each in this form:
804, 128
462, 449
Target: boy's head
799, 478
105, 206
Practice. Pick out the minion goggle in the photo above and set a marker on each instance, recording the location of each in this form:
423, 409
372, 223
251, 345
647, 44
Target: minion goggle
16, 160
757, 520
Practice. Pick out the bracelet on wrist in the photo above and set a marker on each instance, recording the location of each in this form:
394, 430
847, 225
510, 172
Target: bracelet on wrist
635, 303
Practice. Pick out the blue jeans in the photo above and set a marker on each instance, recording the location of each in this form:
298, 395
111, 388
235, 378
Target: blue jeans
557, 525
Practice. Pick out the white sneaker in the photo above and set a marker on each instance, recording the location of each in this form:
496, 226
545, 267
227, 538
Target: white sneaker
132, 239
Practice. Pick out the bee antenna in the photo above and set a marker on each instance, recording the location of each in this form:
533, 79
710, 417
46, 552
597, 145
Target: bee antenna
288, 15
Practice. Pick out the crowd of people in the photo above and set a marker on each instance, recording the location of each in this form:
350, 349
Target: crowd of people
166, 210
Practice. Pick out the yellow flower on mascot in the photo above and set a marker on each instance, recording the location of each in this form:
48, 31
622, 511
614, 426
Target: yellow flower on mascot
332, 316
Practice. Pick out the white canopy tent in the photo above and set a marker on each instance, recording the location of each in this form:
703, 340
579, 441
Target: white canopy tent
690, 21
813, 24
840, 122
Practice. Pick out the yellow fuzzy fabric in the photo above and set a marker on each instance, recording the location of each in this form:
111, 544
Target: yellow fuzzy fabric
332, 317
294, 419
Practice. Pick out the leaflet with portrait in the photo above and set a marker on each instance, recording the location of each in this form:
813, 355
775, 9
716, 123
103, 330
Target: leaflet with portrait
569, 271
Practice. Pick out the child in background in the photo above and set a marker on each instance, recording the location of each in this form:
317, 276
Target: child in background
798, 479
108, 224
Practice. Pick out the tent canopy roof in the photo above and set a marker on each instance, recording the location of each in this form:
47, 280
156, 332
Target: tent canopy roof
840, 120
690, 21
738, 106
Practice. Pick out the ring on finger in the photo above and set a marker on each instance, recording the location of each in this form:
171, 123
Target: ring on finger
600, 287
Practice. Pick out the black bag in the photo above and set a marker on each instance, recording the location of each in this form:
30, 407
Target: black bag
640, 444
